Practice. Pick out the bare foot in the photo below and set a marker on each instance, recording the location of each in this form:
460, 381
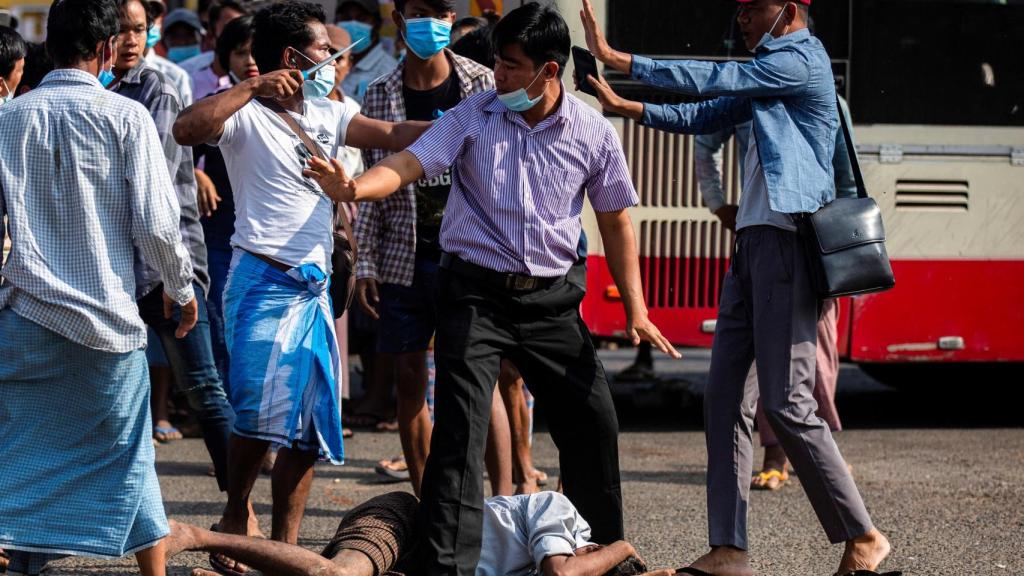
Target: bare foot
865, 552
528, 487
182, 537
253, 526
725, 561
665, 572
201, 572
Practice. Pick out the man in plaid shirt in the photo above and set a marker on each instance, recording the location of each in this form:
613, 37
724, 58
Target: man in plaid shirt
398, 236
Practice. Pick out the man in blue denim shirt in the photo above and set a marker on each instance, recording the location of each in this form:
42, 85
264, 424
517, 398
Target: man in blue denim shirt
767, 304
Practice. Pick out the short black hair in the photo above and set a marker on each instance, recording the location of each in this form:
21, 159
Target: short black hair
122, 6
476, 46
12, 49
37, 65
75, 27
236, 33
282, 25
628, 567
540, 30
221, 5
437, 5
475, 22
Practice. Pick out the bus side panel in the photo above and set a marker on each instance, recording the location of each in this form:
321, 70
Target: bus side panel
603, 313
978, 301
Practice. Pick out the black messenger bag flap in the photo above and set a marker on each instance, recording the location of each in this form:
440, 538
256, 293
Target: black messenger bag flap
845, 240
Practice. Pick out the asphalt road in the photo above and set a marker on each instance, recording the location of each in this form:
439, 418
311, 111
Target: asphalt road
941, 469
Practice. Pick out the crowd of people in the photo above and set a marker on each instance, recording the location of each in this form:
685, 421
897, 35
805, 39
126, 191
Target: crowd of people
193, 198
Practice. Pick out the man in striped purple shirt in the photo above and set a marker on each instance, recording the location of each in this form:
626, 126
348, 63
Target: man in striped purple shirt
523, 156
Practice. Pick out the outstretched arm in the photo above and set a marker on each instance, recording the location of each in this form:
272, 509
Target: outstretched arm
388, 175
597, 44
268, 556
369, 133
697, 118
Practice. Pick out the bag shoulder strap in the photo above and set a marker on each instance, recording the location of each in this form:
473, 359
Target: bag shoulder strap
862, 191
313, 148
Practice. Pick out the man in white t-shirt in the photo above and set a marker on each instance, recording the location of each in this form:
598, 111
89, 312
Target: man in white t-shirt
285, 364
526, 535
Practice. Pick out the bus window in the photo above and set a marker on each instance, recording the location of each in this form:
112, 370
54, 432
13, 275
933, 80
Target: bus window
949, 62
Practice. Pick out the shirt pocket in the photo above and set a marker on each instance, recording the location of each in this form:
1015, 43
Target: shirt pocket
559, 188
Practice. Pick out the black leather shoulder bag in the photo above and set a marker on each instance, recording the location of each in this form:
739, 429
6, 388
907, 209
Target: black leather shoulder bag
845, 240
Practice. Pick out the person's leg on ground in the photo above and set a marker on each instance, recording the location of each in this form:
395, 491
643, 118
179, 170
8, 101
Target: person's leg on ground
471, 334
642, 367
291, 481
785, 335
728, 423
160, 377
826, 366
498, 454
555, 353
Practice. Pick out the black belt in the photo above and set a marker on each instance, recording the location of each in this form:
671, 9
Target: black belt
505, 280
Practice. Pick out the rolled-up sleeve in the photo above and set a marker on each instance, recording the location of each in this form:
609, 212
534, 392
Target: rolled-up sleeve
554, 527
610, 186
439, 147
155, 212
780, 73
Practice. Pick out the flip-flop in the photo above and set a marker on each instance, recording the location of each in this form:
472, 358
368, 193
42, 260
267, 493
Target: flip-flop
693, 571
391, 472
766, 476
166, 434
220, 567
869, 573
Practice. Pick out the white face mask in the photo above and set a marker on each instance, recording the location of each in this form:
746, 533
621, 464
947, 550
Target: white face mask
8, 96
770, 35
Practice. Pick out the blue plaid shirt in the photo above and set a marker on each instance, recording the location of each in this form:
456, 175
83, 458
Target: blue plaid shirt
83, 182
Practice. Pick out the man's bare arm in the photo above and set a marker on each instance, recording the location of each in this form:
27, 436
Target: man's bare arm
204, 120
594, 563
620, 250
388, 175
364, 132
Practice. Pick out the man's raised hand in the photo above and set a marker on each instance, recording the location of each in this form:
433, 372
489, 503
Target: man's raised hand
332, 179
279, 84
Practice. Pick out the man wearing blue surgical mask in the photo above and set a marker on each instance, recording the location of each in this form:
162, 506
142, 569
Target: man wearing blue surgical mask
266, 127
370, 57
397, 274
176, 74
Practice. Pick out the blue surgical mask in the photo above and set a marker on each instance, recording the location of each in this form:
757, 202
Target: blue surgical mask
179, 54
152, 36
770, 35
106, 75
360, 33
425, 37
321, 85
519, 100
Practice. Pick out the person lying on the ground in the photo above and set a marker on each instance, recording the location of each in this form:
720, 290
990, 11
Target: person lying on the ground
522, 535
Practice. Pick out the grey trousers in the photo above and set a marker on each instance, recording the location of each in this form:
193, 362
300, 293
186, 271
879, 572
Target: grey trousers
769, 311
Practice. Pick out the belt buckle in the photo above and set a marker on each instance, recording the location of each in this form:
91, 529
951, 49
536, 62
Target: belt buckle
523, 282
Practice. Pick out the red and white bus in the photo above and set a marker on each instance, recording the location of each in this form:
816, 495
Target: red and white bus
936, 89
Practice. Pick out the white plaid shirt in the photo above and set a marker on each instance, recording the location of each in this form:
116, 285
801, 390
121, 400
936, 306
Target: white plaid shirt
386, 229
83, 181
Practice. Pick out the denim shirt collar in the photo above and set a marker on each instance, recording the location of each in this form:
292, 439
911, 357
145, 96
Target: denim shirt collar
785, 41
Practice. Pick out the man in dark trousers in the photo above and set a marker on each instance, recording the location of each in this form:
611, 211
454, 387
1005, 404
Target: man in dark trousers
523, 156
769, 310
